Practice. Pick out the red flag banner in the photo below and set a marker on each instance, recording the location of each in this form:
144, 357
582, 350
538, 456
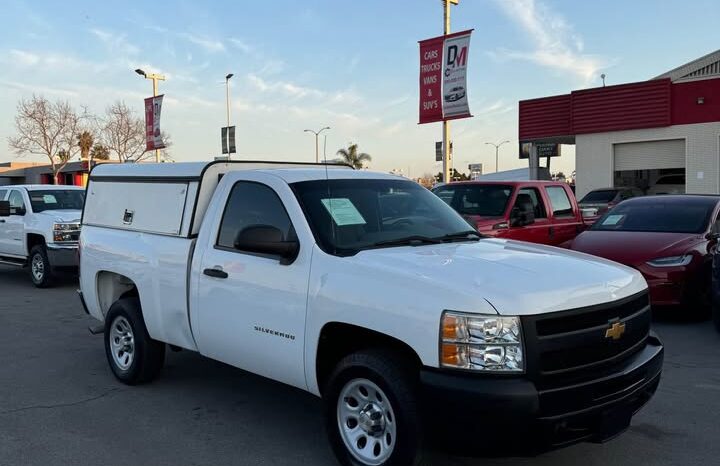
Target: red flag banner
153, 137
443, 77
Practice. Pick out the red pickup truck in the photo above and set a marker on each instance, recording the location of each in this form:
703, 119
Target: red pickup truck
543, 212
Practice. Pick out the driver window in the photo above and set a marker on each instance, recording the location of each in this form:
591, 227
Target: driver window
537, 203
251, 204
16, 202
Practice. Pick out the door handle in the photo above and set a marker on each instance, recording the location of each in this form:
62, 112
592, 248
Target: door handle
551, 231
217, 273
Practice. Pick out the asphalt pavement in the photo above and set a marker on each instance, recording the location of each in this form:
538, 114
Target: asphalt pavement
60, 405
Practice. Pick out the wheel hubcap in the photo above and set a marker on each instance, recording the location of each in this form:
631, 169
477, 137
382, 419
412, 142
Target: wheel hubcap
366, 422
122, 343
38, 267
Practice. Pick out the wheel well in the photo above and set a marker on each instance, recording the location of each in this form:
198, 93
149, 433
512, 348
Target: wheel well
33, 239
337, 340
112, 286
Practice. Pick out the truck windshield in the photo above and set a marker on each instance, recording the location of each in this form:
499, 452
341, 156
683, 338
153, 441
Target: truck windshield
57, 199
476, 199
348, 216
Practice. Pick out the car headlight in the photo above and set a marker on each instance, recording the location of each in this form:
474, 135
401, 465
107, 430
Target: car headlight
481, 342
63, 232
672, 261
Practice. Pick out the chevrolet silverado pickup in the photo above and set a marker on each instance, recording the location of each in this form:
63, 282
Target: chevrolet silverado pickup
39, 228
369, 291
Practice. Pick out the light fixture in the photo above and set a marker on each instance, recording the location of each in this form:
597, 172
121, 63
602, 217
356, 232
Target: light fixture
140, 72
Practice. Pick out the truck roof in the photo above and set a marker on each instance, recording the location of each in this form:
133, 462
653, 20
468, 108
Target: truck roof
509, 183
43, 187
189, 171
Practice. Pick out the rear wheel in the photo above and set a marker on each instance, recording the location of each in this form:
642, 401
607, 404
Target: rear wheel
371, 411
133, 356
40, 271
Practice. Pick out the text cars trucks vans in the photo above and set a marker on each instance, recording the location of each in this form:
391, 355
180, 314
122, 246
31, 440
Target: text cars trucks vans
40, 227
369, 291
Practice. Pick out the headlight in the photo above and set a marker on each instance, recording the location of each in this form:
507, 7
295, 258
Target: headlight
672, 261
64, 232
482, 343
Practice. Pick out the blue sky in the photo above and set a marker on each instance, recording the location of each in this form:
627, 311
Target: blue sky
351, 65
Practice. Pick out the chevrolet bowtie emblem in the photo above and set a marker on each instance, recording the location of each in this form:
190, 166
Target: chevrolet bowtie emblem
615, 331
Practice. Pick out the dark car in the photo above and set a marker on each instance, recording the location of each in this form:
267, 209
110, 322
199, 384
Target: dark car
669, 239
606, 198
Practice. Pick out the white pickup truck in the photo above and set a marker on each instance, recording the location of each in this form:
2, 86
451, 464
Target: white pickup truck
39, 228
369, 291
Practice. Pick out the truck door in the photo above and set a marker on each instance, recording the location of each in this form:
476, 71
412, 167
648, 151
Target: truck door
536, 232
12, 231
250, 309
566, 219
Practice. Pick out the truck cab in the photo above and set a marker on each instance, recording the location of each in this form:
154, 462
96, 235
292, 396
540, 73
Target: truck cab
40, 228
367, 290
544, 212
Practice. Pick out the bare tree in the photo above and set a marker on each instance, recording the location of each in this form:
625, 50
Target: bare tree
122, 132
47, 128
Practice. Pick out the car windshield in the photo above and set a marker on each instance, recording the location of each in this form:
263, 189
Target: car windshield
669, 217
599, 197
348, 216
57, 199
476, 199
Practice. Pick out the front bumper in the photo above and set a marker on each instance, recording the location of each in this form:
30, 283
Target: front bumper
514, 415
62, 255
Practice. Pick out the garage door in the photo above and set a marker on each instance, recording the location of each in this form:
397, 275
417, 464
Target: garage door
652, 155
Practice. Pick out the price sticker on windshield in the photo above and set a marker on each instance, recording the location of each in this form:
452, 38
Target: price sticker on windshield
49, 199
343, 211
612, 219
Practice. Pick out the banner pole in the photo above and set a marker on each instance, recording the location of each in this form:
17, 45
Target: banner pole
155, 93
446, 126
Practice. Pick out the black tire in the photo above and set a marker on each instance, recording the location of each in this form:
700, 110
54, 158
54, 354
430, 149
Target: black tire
41, 275
147, 355
716, 316
391, 375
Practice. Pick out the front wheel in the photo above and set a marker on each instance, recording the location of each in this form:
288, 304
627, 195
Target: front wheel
371, 411
133, 356
40, 271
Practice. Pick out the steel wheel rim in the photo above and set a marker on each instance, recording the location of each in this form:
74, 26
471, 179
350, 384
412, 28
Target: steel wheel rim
366, 422
122, 343
38, 267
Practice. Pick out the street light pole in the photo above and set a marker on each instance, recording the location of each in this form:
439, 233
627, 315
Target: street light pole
317, 146
447, 163
227, 105
497, 146
155, 77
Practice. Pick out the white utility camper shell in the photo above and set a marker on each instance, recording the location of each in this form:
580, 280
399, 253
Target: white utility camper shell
165, 199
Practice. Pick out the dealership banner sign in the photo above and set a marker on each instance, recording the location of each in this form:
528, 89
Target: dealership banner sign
153, 137
443, 77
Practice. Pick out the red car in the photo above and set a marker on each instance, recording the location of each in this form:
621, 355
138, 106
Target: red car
543, 212
669, 239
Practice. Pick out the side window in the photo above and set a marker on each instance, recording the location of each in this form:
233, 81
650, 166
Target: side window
625, 194
252, 204
16, 201
3, 192
537, 202
559, 201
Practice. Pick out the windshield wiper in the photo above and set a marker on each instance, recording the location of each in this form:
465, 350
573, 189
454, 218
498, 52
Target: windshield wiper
467, 235
415, 240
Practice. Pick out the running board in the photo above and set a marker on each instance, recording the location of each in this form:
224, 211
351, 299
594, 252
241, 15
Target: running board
15, 262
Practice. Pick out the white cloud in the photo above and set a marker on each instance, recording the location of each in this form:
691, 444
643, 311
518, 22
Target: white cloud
208, 44
24, 58
41, 90
241, 45
285, 87
116, 43
557, 46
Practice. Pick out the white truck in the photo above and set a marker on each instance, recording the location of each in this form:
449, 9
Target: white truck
39, 228
369, 291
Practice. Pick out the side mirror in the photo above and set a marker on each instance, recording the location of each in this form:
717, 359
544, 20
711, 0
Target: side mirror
266, 239
4, 209
19, 211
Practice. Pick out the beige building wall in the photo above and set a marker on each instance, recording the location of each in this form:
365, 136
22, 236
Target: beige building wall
594, 156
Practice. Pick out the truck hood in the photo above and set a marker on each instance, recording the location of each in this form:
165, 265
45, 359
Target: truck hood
516, 278
62, 216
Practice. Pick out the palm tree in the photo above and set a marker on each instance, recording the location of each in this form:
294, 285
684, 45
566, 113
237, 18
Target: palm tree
352, 158
100, 152
85, 143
